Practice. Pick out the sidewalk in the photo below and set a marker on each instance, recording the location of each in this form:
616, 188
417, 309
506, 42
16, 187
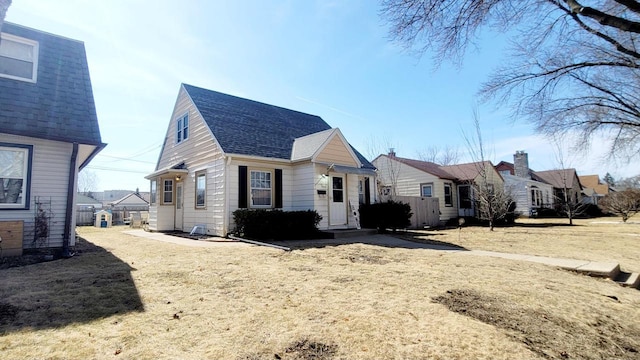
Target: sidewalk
211, 242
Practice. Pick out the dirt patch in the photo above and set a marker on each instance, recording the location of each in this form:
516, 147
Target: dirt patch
367, 259
544, 333
303, 349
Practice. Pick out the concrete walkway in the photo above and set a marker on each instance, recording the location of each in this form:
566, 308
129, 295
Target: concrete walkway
593, 268
211, 242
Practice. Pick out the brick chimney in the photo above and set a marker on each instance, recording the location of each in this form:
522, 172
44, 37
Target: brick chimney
521, 164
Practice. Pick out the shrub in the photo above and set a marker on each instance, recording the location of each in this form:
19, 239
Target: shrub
261, 224
387, 215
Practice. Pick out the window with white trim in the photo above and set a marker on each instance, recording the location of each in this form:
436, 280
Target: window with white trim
167, 191
201, 189
260, 188
426, 190
182, 128
18, 58
15, 167
536, 196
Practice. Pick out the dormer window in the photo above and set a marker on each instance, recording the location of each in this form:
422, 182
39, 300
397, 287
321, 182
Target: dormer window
18, 58
182, 129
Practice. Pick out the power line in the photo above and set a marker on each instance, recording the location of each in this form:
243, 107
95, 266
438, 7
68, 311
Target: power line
115, 169
127, 159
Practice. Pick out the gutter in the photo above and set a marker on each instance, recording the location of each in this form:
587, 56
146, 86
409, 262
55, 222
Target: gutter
70, 203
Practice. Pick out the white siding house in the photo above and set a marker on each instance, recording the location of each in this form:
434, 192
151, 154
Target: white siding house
48, 132
223, 153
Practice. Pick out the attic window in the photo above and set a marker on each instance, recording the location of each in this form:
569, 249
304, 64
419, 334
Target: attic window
18, 58
182, 129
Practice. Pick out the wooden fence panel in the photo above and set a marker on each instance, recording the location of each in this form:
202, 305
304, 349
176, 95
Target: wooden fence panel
425, 210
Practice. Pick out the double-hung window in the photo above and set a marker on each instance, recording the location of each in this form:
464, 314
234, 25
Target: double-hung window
261, 188
201, 190
15, 170
18, 58
426, 190
167, 191
182, 128
154, 192
448, 195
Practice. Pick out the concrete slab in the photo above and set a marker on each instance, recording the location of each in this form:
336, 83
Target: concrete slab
205, 243
629, 279
601, 269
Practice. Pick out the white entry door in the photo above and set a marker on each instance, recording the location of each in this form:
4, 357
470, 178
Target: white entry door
337, 204
179, 206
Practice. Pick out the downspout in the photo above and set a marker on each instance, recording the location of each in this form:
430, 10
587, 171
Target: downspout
70, 203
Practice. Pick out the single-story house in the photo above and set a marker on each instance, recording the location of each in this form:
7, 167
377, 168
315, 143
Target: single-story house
222, 153
48, 132
453, 185
530, 192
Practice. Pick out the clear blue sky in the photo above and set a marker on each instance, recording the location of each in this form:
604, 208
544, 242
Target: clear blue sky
327, 58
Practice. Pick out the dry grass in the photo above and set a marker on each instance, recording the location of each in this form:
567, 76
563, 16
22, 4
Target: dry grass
130, 298
602, 239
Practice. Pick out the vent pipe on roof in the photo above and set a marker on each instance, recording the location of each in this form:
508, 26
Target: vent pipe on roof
392, 152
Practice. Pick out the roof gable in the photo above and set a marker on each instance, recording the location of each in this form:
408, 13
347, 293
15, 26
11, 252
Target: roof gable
328, 146
131, 199
60, 105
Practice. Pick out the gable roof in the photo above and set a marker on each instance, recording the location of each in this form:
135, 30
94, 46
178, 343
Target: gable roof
557, 177
468, 171
248, 127
60, 105
426, 166
132, 198
305, 147
593, 182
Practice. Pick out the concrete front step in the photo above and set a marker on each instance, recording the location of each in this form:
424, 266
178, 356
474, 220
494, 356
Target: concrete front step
628, 279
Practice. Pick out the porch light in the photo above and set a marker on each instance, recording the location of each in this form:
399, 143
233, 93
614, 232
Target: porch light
178, 177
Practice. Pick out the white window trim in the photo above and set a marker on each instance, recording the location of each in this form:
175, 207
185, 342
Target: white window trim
25, 176
36, 47
422, 186
180, 128
153, 192
250, 188
164, 191
195, 200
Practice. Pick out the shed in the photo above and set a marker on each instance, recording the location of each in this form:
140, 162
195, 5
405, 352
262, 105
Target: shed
103, 219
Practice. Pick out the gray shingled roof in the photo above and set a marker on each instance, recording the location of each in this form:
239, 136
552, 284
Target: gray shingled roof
248, 127
60, 105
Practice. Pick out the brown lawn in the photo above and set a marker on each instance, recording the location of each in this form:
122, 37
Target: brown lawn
124, 297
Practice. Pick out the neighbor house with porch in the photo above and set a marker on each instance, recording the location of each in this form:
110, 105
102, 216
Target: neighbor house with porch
222, 153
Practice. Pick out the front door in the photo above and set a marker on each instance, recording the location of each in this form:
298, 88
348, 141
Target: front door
337, 205
465, 201
179, 206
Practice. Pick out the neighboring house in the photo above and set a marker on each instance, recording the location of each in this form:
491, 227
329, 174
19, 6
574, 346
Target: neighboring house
593, 189
566, 185
528, 190
223, 153
453, 185
122, 208
48, 132
86, 207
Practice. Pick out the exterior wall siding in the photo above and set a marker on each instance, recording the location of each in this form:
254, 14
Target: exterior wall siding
49, 184
336, 152
409, 180
199, 152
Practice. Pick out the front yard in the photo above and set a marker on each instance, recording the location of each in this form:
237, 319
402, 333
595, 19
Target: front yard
124, 297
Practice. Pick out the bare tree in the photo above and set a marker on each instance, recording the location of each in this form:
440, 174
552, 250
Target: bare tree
87, 182
567, 199
632, 182
4, 6
572, 67
448, 155
625, 203
383, 151
493, 201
